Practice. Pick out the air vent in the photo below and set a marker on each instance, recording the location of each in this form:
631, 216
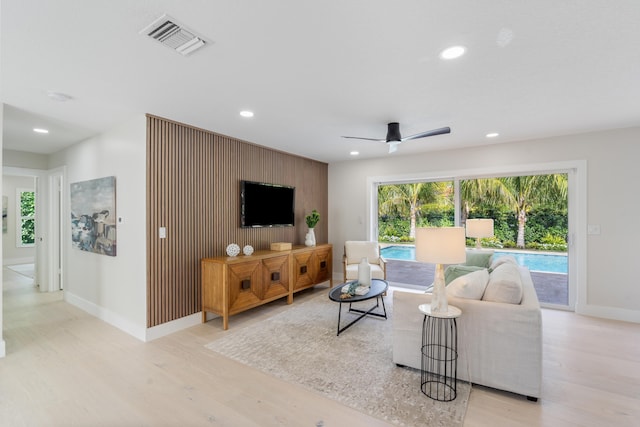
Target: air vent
173, 35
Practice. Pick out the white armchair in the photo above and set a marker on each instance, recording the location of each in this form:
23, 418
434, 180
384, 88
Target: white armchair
354, 251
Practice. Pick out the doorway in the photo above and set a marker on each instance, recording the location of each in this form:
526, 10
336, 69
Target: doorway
18, 225
46, 253
548, 283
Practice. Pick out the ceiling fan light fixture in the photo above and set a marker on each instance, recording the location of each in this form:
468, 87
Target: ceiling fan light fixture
394, 138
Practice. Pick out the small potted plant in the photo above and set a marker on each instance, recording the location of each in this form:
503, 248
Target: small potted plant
311, 220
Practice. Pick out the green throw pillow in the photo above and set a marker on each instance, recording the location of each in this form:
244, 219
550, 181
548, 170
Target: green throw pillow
479, 258
454, 271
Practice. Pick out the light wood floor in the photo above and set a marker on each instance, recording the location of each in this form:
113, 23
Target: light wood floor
66, 368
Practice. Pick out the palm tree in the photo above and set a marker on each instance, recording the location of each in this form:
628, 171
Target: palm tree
520, 193
408, 199
472, 193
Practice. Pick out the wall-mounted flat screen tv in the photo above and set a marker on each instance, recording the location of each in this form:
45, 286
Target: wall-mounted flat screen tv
266, 205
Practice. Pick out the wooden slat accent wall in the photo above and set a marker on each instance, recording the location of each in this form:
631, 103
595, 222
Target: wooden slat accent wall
193, 189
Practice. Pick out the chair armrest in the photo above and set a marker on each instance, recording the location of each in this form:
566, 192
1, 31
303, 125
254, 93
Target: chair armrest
383, 265
344, 267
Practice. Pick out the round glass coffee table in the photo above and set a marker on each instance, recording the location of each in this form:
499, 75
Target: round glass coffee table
378, 288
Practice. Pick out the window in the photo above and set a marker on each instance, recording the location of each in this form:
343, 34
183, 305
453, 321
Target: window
26, 218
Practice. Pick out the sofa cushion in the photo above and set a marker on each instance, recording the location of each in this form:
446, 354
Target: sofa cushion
352, 272
469, 286
454, 271
479, 258
356, 250
505, 284
501, 260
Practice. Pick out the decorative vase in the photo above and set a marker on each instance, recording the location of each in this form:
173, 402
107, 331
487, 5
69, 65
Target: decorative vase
310, 238
364, 273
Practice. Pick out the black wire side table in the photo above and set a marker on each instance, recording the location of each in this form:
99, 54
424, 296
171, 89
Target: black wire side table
439, 373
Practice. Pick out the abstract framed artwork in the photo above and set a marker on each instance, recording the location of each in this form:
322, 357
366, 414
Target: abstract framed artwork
93, 215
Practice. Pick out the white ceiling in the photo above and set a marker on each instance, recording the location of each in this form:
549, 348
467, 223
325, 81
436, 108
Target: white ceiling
313, 71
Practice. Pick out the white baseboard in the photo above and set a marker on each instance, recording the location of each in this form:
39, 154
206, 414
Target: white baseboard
173, 326
141, 333
3, 349
612, 313
106, 315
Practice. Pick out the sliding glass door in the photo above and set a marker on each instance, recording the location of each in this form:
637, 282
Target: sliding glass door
531, 224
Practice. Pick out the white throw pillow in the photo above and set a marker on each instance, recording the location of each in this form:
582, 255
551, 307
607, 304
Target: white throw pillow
502, 260
505, 285
469, 286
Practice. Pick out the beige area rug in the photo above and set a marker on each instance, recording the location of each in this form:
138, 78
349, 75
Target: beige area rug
300, 345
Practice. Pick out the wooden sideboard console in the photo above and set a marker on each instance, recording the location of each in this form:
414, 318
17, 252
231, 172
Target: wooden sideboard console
231, 285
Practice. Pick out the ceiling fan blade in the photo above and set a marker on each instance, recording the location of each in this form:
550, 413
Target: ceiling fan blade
366, 139
393, 146
433, 132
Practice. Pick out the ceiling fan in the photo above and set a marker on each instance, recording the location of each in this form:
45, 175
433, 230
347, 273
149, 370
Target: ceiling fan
394, 138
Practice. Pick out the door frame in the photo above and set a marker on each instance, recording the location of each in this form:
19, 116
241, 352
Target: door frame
49, 224
576, 171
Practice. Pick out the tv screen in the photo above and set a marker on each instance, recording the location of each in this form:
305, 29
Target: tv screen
266, 205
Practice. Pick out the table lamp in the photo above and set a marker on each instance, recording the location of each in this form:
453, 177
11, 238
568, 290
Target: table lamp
440, 245
479, 228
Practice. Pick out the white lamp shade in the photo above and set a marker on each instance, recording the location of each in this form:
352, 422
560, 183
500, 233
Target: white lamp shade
440, 245
480, 227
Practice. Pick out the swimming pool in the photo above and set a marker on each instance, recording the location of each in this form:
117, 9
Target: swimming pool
536, 262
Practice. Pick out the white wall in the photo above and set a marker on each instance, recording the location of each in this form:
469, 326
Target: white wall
11, 253
23, 159
2, 343
611, 284
111, 288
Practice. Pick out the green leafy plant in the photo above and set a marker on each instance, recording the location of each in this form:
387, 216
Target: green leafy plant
27, 214
312, 219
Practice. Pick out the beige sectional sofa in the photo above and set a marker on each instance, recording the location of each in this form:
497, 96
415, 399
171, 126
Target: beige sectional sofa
499, 343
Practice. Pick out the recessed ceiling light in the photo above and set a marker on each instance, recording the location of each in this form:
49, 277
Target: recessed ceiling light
40, 130
246, 113
354, 153
452, 52
492, 135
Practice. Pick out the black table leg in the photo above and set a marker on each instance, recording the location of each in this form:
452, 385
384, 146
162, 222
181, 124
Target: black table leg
362, 313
